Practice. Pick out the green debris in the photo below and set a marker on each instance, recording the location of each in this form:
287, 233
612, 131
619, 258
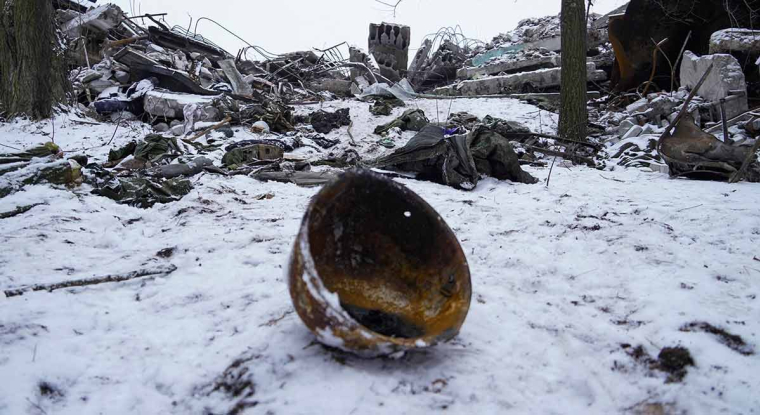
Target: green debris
122, 152
156, 148
245, 155
385, 106
141, 192
410, 120
64, 172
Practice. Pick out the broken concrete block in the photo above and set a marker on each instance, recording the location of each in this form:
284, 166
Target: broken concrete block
132, 58
63, 16
357, 55
638, 106
178, 130
162, 103
553, 44
542, 78
90, 76
122, 116
98, 86
100, 19
389, 44
659, 168
420, 57
626, 125
338, 87
735, 40
440, 68
635, 131
121, 76
726, 76
239, 86
519, 64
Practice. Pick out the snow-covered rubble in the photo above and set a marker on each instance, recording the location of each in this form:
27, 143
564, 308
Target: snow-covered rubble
568, 281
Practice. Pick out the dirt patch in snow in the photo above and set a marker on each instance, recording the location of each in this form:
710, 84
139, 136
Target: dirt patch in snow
732, 341
674, 361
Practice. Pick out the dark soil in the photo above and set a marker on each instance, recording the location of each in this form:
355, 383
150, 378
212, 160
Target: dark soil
732, 341
672, 360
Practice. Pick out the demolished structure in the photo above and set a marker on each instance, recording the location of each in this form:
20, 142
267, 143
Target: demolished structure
192, 92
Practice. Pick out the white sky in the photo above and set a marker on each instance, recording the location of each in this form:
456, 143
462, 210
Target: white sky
290, 25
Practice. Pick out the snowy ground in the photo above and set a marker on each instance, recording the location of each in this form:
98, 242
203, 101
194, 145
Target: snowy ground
563, 277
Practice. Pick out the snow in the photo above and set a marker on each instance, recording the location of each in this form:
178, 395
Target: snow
734, 39
562, 277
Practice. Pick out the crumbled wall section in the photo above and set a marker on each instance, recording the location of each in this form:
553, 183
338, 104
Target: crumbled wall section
389, 45
725, 79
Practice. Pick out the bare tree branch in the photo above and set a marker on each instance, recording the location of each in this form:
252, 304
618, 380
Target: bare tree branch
392, 7
156, 272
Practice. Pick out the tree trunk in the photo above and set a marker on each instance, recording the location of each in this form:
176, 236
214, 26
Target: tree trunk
573, 115
32, 75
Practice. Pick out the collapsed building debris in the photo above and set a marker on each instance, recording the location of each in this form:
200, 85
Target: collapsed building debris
725, 85
663, 131
541, 79
691, 152
535, 33
521, 61
389, 45
434, 67
100, 19
685, 25
188, 87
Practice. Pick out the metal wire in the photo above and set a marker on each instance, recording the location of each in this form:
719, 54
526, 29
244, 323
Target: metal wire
261, 51
453, 35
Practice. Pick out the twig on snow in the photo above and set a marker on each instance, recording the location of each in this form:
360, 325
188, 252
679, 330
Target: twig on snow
350, 135
19, 211
118, 121
156, 272
208, 130
689, 208
274, 321
614, 180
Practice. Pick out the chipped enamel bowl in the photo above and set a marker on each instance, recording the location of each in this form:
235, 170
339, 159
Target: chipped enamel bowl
375, 270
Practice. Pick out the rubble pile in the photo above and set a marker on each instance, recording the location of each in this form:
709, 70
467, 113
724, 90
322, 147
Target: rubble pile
521, 61
705, 127
375, 270
195, 96
677, 26
527, 60
538, 29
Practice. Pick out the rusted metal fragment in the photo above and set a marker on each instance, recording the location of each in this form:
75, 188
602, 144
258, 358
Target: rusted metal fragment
375, 270
693, 153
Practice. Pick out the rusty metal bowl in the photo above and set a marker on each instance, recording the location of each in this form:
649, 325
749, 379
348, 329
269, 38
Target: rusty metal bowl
375, 270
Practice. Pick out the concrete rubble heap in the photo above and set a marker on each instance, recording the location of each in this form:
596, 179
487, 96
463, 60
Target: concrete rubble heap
527, 60
389, 44
196, 95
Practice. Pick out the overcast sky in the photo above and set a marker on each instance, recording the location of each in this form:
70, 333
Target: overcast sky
291, 25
